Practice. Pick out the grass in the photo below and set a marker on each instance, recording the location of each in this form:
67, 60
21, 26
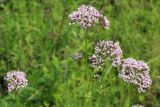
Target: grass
35, 37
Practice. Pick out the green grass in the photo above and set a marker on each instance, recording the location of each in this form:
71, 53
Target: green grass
35, 37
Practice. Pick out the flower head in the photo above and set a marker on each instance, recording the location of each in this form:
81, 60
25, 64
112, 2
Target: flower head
87, 16
16, 80
96, 61
105, 22
110, 50
77, 56
135, 72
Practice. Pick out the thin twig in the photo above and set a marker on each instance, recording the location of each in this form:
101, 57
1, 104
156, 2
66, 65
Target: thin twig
32, 96
153, 59
109, 69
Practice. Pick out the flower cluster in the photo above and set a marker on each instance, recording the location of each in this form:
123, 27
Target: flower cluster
130, 70
96, 61
105, 22
87, 16
16, 80
77, 56
135, 72
110, 50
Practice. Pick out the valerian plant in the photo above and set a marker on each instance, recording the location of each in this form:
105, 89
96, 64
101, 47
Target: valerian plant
130, 70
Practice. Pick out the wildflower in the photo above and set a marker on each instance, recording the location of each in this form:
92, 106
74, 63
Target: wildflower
96, 61
110, 50
105, 22
16, 80
97, 75
87, 16
135, 72
77, 56
145, 82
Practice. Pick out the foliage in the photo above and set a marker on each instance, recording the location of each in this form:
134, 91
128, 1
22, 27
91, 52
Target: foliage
35, 37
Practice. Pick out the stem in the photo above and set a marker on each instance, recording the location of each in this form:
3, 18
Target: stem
109, 69
86, 45
86, 68
16, 98
126, 88
33, 95
153, 59
12, 96
86, 54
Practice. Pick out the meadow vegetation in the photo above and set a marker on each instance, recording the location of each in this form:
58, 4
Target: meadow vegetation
35, 37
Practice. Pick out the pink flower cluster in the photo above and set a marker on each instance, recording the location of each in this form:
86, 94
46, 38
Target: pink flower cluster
87, 16
105, 22
135, 72
16, 80
110, 50
96, 61
130, 70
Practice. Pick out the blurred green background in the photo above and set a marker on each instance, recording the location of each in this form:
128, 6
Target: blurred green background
35, 37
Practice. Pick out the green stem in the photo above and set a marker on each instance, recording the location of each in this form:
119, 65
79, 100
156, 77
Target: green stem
86, 45
153, 59
86, 54
12, 96
17, 98
86, 67
33, 95
109, 69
